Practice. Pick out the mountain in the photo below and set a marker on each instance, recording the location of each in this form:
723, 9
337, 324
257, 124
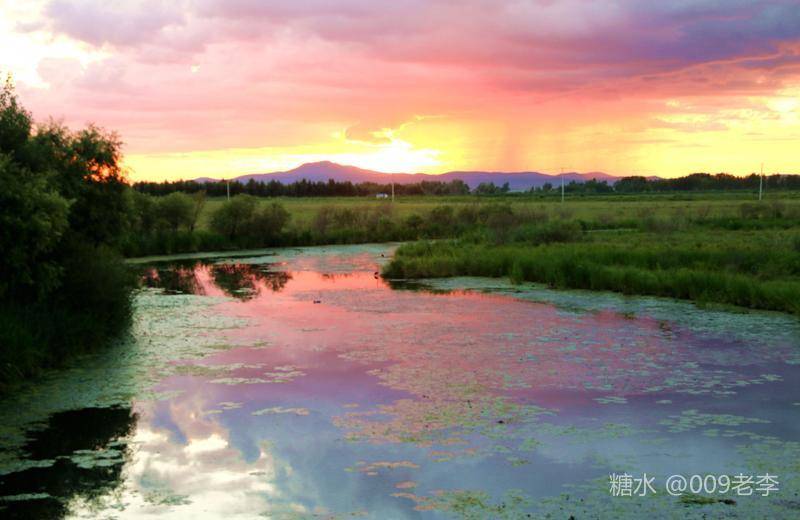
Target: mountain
325, 170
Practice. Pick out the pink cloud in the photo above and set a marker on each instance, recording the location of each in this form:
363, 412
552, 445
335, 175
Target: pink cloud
211, 74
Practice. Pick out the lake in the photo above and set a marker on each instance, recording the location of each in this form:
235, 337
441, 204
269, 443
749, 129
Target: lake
297, 383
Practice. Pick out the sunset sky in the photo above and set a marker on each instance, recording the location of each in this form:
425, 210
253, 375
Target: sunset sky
226, 87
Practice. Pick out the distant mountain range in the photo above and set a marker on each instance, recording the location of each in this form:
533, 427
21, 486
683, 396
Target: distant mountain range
325, 170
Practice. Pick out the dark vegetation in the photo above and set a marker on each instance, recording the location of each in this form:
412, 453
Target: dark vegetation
302, 188
696, 182
63, 286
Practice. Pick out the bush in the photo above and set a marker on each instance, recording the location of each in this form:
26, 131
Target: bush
267, 223
234, 215
557, 231
176, 210
245, 224
92, 305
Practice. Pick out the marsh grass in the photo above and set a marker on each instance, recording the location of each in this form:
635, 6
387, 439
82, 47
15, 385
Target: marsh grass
351, 220
747, 269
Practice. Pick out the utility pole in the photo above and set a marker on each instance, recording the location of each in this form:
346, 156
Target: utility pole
228, 185
761, 182
392, 174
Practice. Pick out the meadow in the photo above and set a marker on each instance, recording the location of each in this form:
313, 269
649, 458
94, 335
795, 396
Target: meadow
709, 250
587, 207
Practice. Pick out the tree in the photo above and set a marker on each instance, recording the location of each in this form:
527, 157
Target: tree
268, 222
145, 214
15, 122
176, 210
33, 218
64, 206
486, 188
85, 168
232, 217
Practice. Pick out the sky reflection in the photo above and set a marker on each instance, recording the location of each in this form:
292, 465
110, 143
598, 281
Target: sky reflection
337, 395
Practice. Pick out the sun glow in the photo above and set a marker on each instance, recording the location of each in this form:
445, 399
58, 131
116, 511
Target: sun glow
393, 157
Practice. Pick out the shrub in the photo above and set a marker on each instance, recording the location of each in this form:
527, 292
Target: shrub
234, 215
176, 210
268, 222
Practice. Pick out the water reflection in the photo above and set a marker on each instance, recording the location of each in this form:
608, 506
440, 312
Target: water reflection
77, 454
322, 391
175, 279
242, 281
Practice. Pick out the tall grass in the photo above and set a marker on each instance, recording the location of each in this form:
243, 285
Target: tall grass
728, 268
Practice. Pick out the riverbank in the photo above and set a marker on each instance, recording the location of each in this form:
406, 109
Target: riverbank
758, 269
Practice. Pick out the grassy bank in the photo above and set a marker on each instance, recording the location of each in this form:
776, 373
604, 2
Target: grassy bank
748, 262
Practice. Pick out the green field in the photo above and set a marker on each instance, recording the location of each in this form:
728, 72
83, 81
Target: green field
603, 207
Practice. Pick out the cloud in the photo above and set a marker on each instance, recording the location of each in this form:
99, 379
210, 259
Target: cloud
511, 76
536, 45
115, 23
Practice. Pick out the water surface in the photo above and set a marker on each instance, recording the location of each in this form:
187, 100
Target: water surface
297, 383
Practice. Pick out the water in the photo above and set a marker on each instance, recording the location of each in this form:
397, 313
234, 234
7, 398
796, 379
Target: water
297, 384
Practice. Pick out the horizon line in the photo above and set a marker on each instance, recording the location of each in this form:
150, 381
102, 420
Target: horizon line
489, 172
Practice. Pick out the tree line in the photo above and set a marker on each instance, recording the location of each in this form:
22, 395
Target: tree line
333, 188
302, 188
708, 182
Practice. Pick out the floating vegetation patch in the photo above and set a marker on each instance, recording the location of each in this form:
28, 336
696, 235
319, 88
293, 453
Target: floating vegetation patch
473, 505
281, 410
691, 419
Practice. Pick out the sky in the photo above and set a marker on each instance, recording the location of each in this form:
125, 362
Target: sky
226, 87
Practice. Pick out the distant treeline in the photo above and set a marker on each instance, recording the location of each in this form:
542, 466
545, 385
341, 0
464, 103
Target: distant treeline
332, 188
303, 188
707, 182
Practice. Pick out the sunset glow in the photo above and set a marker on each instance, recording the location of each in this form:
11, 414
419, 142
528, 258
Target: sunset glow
223, 88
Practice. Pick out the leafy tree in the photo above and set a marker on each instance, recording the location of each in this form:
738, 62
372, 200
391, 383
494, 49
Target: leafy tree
32, 221
486, 188
86, 169
15, 122
269, 221
176, 210
234, 215
64, 206
144, 212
